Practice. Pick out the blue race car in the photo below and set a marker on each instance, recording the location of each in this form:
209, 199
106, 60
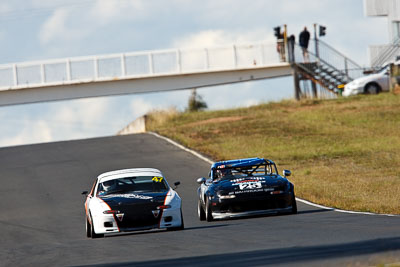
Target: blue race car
245, 187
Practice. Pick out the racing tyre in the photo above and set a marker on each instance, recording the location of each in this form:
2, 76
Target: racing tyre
93, 233
88, 228
200, 211
208, 212
294, 204
372, 89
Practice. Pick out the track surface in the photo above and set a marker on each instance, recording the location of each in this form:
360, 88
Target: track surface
42, 216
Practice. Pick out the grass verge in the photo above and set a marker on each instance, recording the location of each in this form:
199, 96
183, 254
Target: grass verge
343, 153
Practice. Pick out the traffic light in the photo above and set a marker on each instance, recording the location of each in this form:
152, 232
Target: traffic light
277, 32
322, 30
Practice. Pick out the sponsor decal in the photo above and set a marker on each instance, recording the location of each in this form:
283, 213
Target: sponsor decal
156, 213
249, 191
136, 196
252, 179
120, 216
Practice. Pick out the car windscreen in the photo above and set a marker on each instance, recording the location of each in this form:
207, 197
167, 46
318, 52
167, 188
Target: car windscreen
132, 184
227, 173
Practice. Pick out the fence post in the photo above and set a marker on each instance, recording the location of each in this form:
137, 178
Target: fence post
15, 74
178, 60
207, 62
234, 56
151, 63
42, 74
316, 41
96, 68
123, 65
297, 90
68, 69
262, 54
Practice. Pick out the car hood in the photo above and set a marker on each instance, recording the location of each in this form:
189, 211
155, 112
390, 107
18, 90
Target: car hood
131, 198
251, 183
368, 78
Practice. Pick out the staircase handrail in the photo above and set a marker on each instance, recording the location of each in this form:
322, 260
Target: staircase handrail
386, 53
339, 53
343, 71
338, 60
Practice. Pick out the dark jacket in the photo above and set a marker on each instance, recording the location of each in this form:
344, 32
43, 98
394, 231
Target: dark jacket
304, 38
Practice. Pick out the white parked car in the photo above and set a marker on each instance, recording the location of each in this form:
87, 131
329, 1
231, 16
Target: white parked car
370, 84
129, 200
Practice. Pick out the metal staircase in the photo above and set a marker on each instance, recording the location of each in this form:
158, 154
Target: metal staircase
326, 68
324, 75
386, 54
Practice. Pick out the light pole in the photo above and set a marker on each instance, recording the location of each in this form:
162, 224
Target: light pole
316, 40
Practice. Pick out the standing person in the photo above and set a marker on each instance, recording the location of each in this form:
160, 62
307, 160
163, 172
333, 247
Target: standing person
280, 47
304, 38
291, 43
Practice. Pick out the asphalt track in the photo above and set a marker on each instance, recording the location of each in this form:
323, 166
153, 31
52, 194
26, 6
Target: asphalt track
42, 216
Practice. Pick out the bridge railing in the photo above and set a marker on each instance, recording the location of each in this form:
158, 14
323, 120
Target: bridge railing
136, 65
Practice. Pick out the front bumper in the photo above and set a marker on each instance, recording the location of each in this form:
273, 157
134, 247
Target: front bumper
224, 215
252, 204
353, 90
107, 223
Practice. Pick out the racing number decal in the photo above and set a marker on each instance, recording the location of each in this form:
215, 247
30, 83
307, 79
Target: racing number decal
157, 179
250, 185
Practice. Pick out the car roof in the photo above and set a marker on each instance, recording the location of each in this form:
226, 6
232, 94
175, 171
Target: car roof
242, 162
129, 172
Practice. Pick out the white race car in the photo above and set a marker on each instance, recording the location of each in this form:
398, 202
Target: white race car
130, 200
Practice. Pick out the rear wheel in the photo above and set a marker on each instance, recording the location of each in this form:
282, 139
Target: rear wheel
209, 216
200, 211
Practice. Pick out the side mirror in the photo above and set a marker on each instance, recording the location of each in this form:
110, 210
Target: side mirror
176, 184
286, 173
85, 193
201, 180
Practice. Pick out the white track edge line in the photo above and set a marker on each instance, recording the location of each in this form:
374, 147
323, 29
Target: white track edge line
298, 199
182, 147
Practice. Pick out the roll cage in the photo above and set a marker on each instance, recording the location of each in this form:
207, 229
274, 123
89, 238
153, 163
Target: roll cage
243, 168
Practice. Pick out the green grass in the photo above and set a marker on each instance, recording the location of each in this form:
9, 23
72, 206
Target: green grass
343, 153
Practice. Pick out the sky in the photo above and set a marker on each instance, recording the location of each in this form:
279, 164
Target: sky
32, 30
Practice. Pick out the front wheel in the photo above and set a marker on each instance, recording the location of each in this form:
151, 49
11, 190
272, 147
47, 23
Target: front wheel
88, 228
93, 233
372, 89
209, 216
181, 227
294, 204
200, 211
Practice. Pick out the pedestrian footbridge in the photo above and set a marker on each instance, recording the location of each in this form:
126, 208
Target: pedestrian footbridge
138, 72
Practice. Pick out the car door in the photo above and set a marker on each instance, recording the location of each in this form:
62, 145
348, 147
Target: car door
384, 80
